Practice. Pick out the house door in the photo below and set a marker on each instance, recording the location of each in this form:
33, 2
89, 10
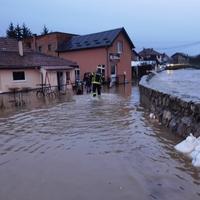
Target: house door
77, 74
113, 73
60, 80
67, 77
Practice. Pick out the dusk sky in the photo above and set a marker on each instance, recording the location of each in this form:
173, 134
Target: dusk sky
166, 25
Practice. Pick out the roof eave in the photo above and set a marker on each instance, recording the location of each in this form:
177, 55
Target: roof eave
18, 67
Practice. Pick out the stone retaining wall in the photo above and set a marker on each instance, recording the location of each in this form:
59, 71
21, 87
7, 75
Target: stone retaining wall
180, 117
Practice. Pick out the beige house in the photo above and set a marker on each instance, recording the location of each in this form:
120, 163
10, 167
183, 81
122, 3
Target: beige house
22, 68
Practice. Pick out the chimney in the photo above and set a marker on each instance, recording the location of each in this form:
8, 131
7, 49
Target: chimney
34, 47
20, 46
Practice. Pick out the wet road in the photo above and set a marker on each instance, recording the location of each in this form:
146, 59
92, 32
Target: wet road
92, 149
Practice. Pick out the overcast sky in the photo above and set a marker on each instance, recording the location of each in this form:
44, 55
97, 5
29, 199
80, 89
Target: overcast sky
166, 25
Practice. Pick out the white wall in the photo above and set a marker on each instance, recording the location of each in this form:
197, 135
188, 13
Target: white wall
32, 78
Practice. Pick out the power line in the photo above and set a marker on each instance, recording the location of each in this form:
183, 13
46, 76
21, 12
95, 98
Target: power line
186, 45
181, 46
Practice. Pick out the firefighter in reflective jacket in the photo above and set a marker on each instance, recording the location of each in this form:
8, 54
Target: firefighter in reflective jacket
96, 83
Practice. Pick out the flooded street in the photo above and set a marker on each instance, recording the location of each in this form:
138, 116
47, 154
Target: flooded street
92, 149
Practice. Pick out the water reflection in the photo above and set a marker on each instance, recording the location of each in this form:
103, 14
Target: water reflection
92, 148
122, 90
16, 103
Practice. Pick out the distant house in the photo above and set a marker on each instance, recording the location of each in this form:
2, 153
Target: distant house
110, 51
180, 58
135, 56
22, 68
165, 58
141, 65
150, 54
147, 60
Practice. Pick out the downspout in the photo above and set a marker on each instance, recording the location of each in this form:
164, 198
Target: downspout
0, 85
107, 60
43, 75
34, 47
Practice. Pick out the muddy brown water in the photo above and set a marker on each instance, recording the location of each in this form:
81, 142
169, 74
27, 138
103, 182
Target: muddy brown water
92, 149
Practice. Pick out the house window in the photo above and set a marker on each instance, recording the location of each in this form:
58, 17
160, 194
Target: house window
19, 76
119, 47
49, 47
40, 48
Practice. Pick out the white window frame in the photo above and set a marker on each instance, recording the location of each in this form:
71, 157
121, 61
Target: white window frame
102, 68
120, 47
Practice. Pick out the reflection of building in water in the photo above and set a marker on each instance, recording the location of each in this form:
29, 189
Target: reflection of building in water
124, 90
10, 102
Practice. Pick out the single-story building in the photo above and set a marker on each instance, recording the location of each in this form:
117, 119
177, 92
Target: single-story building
23, 68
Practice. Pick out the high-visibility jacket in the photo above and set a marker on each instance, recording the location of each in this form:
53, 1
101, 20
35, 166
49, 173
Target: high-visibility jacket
96, 78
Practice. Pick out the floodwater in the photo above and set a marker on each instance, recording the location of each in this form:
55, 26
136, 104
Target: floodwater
92, 149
